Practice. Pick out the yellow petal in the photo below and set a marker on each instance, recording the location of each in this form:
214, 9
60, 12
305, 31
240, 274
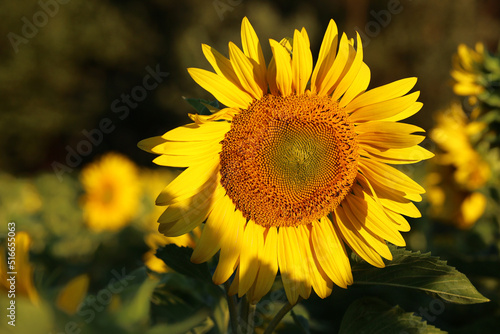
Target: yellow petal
380, 189
252, 246
333, 74
268, 265
252, 49
210, 240
370, 215
331, 253
220, 64
290, 263
271, 70
222, 89
194, 215
366, 245
406, 208
244, 70
383, 93
198, 132
179, 209
407, 155
349, 77
410, 111
384, 109
404, 226
387, 140
301, 63
190, 182
387, 127
271, 78
388, 175
378, 215
359, 85
149, 143
231, 244
305, 36
319, 281
326, 57
185, 147
171, 160
303, 266
283, 68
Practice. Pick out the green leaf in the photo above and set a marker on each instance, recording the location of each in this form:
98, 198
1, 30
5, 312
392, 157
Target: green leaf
372, 315
491, 63
422, 272
190, 304
203, 107
189, 325
136, 309
179, 259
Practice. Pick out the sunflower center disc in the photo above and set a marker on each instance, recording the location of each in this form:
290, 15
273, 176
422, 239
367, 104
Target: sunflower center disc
289, 160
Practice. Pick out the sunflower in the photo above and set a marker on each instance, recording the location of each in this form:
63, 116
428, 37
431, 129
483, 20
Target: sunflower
295, 166
112, 191
467, 70
469, 171
453, 134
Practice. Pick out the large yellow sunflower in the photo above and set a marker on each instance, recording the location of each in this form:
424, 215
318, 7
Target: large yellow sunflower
112, 191
294, 167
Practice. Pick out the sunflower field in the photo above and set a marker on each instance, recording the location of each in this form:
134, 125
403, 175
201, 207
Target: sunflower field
241, 167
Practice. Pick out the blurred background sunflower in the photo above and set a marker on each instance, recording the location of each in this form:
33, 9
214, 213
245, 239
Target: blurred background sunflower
83, 82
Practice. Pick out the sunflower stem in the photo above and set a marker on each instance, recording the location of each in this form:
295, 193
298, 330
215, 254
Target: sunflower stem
233, 310
250, 317
279, 316
247, 322
243, 312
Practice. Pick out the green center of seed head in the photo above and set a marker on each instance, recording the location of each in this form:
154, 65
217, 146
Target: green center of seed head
299, 159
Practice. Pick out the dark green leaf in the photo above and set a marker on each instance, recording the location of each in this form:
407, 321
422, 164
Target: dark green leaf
136, 309
187, 325
491, 63
180, 300
374, 316
178, 258
201, 105
422, 272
